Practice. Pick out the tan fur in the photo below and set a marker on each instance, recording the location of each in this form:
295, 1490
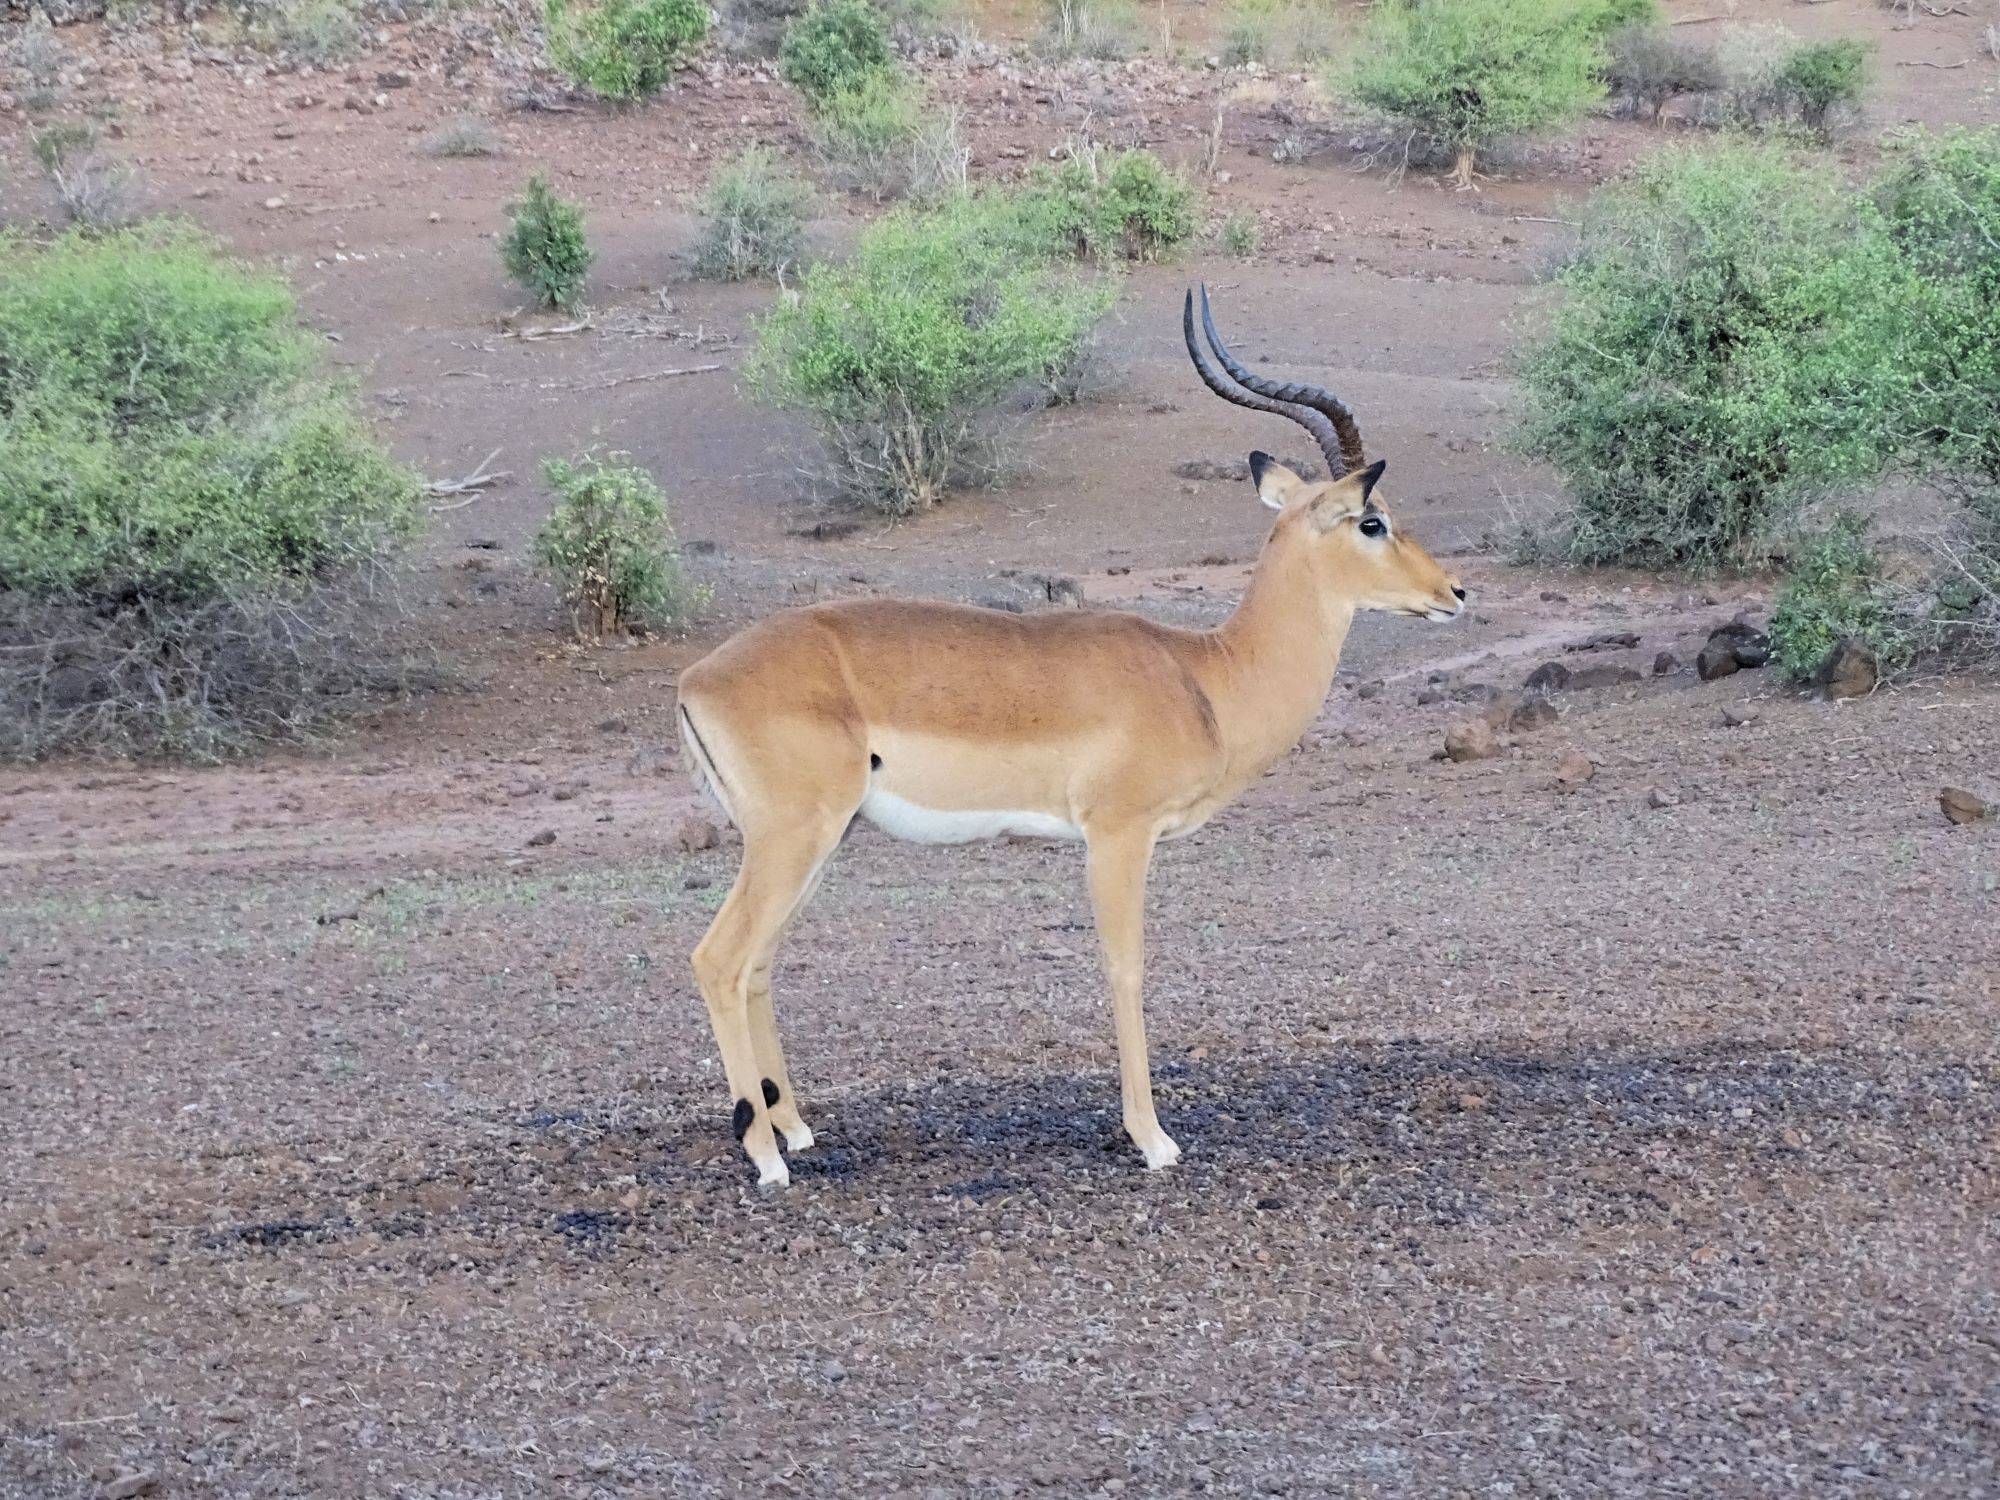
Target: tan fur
1127, 730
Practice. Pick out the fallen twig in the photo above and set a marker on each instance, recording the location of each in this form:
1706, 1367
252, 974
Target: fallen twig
478, 479
1943, 67
1696, 20
605, 385
1538, 219
556, 331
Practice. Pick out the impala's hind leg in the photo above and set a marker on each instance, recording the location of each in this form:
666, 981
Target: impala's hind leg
732, 965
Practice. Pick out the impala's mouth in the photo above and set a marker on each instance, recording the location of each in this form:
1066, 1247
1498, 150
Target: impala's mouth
1438, 614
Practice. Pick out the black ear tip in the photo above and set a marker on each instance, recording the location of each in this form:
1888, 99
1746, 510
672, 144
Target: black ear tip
1259, 462
1374, 471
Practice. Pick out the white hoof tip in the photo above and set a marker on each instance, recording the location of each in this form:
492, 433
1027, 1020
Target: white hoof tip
800, 1139
774, 1177
1160, 1157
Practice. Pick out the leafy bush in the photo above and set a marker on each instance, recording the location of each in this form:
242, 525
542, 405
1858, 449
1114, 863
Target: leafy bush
1616, 15
1278, 33
191, 524
466, 136
1100, 29
1825, 78
834, 48
1939, 198
1834, 590
611, 547
1461, 73
1651, 66
1710, 365
623, 49
754, 220
545, 251
1123, 203
864, 135
1239, 236
904, 356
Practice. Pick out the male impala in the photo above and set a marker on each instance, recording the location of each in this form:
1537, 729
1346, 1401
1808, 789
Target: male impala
942, 723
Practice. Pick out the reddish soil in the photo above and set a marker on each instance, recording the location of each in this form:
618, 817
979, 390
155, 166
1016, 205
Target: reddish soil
1540, 1140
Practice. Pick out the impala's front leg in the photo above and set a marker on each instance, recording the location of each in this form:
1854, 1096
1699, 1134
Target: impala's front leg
1118, 862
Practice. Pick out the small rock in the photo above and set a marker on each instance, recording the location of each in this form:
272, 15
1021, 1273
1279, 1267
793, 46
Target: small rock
543, 839
613, 726
696, 834
1575, 768
1665, 663
1849, 671
1472, 740
274, 203
1549, 677
1960, 806
1369, 689
833, 1370
1736, 718
1607, 675
1606, 640
1427, 696
1550, 596
1732, 647
1658, 798
1533, 712
130, 1483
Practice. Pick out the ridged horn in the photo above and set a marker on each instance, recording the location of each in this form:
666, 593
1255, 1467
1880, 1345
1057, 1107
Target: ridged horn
1315, 421
1353, 455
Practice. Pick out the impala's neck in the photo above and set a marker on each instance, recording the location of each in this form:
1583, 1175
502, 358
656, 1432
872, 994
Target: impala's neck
1277, 655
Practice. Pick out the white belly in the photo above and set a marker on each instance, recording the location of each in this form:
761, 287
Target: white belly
927, 825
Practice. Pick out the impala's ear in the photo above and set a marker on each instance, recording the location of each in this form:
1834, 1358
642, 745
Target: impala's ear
1275, 483
1370, 476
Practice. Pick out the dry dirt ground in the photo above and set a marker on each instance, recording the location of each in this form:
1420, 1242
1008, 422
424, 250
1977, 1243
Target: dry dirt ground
1625, 1136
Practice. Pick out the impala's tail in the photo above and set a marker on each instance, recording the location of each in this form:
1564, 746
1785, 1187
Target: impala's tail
701, 767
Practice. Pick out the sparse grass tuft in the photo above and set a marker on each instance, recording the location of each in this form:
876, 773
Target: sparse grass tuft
1104, 30
466, 136
864, 136
1278, 33
315, 32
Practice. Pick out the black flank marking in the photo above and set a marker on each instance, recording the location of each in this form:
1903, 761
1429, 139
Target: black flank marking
722, 784
770, 1093
874, 761
740, 1121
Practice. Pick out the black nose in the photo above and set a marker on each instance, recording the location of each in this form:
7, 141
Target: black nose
1457, 591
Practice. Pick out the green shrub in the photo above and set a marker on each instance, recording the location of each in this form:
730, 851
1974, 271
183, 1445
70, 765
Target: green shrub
1825, 78
191, 523
1278, 33
864, 135
754, 220
1939, 198
904, 357
545, 251
1714, 360
611, 547
1460, 73
63, 142
1239, 236
834, 48
1616, 15
623, 49
1834, 590
1123, 203
1651, 66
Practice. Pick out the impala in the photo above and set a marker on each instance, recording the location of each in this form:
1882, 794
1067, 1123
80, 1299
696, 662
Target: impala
943, 723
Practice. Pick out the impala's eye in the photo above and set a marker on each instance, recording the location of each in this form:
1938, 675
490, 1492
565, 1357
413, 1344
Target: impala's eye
1374, 526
